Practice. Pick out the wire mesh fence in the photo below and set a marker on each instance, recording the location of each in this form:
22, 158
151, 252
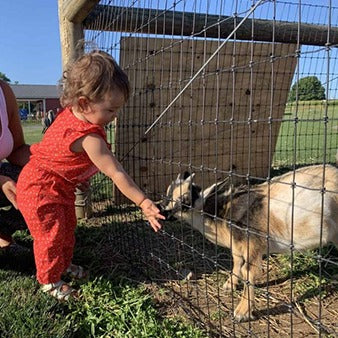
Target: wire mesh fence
235, 93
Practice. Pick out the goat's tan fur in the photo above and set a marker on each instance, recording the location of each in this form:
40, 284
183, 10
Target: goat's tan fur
297, 207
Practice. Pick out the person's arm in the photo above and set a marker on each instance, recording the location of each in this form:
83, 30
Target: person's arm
20, 154
105, 161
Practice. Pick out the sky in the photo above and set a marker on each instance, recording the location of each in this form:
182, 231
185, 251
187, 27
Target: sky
30, 50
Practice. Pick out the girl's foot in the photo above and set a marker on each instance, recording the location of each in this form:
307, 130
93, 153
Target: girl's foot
60, 290
76, 272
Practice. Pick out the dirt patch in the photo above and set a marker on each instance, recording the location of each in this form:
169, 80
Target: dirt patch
204, 302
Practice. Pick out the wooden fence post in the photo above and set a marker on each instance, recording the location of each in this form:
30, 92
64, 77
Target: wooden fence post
71, 15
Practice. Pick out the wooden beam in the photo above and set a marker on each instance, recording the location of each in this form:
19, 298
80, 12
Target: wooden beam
71, 15
77, 10
70, 34
152, 21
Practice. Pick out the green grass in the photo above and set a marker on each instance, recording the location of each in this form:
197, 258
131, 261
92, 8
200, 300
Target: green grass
305, 133
102, 187
112, 304
32, 131
106, 309
27, 313
305, 267
122, 311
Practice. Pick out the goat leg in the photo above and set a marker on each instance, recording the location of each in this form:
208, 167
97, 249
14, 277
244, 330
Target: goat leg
232, 282
251, 270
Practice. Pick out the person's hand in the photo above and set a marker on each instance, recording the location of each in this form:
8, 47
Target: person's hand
152, 213
9, 189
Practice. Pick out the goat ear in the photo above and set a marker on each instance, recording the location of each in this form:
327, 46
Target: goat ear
186, 176
218, 187
189, 178
222, 185
207, 191
182, 177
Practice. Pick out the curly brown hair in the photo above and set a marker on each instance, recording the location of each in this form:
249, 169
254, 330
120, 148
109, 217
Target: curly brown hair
93, 75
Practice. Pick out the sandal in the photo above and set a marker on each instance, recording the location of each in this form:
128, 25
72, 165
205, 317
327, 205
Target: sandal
59, 290
76, 272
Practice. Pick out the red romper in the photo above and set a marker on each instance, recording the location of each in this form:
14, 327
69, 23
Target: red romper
45, 193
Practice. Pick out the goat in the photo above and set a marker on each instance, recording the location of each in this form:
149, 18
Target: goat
298, 209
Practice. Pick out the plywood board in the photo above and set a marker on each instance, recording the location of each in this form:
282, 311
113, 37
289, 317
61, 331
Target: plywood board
226, 122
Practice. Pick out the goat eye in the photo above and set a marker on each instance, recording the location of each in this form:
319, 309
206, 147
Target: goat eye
186, 198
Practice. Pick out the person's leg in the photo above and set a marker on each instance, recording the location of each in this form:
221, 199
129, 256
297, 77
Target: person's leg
69, 241
73, 271
53, 244
47, 223
11, 219
49, 231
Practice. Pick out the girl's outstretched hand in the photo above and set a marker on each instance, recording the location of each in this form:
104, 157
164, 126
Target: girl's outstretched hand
152, 213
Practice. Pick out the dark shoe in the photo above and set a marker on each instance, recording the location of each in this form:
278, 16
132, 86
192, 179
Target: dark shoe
14, 249
11, 220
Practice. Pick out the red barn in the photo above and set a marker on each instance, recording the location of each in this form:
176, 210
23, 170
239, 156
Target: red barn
37, 99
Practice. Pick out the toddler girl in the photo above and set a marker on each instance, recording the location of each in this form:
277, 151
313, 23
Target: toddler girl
73, 149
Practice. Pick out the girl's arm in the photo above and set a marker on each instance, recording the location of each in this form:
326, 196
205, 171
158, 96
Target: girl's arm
106, 162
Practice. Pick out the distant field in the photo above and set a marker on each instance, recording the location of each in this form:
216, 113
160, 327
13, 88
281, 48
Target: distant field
32, 131
314, 130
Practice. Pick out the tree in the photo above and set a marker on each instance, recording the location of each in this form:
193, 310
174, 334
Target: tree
309, 88
4, 77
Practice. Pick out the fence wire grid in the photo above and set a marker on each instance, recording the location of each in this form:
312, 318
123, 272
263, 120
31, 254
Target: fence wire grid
241, 91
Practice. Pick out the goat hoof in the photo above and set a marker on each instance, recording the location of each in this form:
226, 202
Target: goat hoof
243, 315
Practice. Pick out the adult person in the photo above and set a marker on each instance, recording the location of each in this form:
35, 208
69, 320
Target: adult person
14, 154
